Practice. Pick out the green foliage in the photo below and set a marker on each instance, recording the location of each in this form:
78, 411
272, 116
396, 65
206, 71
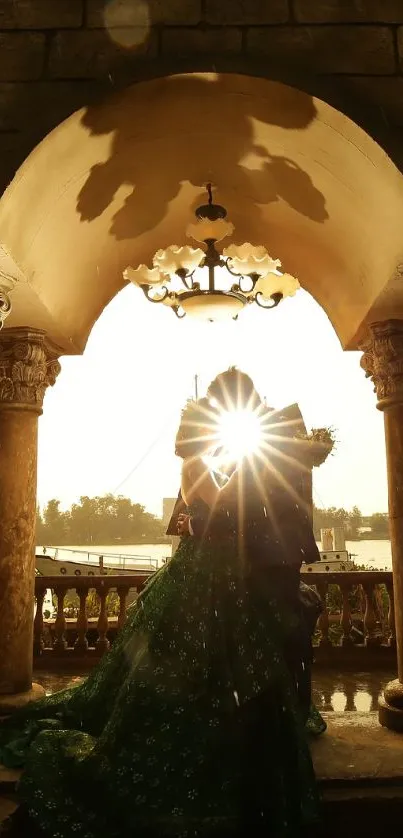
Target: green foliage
92, 604
99, 520
351, 521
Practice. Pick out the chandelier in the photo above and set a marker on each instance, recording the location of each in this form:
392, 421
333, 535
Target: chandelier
206, 284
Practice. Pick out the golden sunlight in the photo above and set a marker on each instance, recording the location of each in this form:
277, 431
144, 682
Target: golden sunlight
239, 433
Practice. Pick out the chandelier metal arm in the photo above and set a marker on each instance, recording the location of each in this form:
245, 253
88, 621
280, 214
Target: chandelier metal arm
176, 310
233, 273
212, 258
275, 300
185, 277
211, 261
146, 289
253, 279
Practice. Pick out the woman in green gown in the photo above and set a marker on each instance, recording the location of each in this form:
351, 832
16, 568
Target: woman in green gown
153, 742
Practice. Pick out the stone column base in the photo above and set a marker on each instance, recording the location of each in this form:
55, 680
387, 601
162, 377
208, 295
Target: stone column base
9, 703
390, 710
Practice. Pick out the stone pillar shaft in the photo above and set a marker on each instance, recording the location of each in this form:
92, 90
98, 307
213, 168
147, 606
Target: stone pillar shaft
27, 367
383, 362
393, 419
18, 469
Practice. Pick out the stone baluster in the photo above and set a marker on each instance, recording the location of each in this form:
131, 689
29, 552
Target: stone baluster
345, 618
81, 644
370, 632
374, 692
122, 594
102, 643
28, 365
349, 692
327, 694
323, 622
391, 616
382, 361
60, 643
38, 622
380, 614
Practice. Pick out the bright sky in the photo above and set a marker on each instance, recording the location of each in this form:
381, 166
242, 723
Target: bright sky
110, 421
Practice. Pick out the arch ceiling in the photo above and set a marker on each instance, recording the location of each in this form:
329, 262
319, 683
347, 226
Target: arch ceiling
115, 182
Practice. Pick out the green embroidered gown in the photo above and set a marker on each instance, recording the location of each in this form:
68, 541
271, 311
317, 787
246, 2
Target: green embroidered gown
151, 744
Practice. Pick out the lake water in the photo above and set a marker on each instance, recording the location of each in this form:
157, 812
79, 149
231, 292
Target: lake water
375, 555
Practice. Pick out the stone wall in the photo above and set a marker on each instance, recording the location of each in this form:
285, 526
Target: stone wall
57, 55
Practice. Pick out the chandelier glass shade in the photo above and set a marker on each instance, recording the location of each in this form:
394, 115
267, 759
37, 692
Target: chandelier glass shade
206, 284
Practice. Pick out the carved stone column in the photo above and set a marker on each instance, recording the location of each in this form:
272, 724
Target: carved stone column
383, 362
27, 366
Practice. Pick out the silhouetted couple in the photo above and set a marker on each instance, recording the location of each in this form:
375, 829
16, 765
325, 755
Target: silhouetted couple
193, 724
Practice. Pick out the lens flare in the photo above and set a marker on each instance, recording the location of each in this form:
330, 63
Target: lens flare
239, 433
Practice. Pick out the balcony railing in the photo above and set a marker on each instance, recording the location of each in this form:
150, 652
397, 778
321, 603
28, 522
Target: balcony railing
357, 627
81, 630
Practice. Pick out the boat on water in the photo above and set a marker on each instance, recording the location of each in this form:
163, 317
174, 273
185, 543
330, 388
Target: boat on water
64, 561
333, 554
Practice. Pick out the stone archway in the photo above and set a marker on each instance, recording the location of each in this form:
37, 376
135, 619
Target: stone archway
116, 181
128, 172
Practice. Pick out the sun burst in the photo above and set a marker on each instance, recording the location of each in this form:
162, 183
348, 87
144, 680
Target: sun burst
239, 434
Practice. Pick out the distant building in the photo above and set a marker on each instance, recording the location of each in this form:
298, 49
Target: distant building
167, 510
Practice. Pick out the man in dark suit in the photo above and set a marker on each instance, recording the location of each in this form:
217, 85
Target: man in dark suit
276, 537
275, 532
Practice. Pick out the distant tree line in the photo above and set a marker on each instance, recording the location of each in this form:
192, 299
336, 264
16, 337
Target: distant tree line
117, 520
352, 521
100, 520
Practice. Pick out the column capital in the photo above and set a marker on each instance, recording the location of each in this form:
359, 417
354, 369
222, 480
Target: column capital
382, 361
28, 366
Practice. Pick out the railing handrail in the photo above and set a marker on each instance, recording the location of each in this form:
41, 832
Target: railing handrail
98, 582
98, 553
352, 577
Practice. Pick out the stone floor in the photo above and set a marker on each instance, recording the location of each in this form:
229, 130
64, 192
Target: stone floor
332, 691
348, 691
359, 764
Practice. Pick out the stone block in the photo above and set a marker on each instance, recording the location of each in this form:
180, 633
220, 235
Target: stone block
42, 105
326, 49
183, 42
226, 12
400, 45
384, 92
22, 55
40, 14
348, 11
11, 158
96, 53
116, 13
